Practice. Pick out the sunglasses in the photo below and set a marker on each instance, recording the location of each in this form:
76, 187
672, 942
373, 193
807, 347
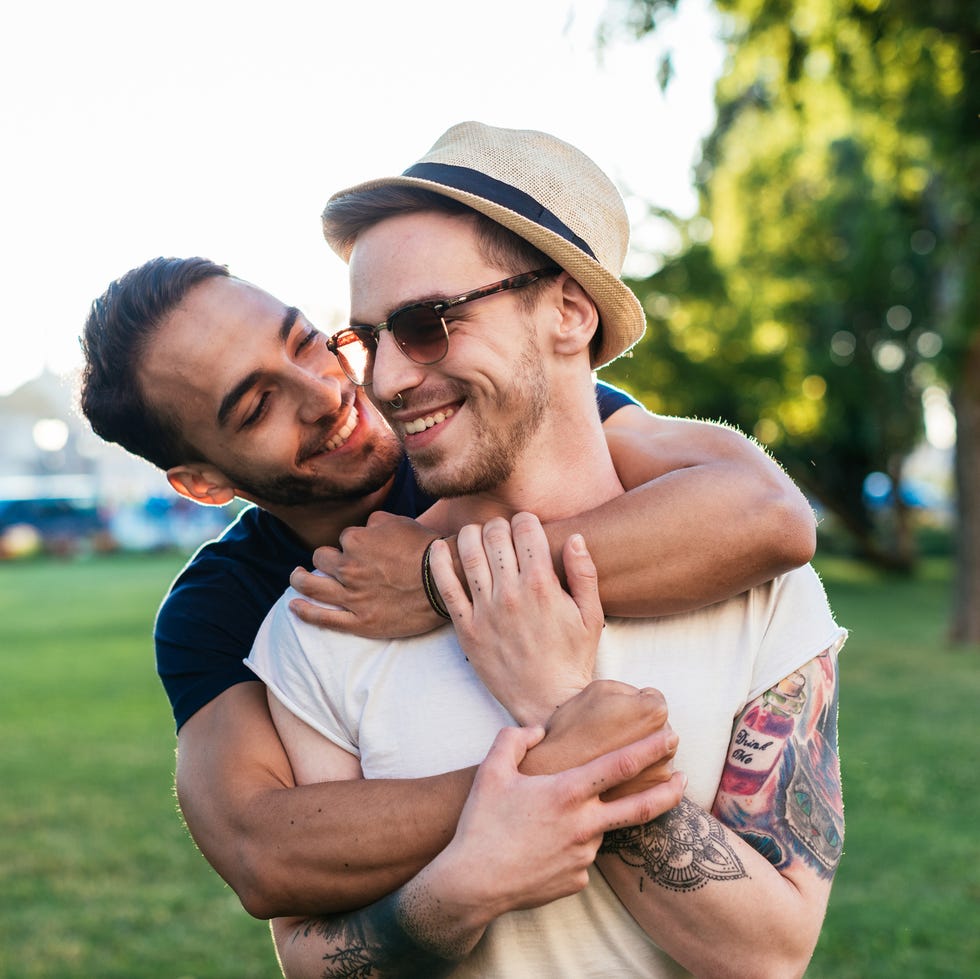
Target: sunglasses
418, 329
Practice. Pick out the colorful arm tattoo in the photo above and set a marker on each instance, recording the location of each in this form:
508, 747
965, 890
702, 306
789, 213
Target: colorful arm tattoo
780, 789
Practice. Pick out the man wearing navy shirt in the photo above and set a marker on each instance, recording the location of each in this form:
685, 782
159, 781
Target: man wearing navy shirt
234, 394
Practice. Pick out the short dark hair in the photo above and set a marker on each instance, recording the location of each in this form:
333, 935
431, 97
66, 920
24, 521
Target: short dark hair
346, 217
119, 327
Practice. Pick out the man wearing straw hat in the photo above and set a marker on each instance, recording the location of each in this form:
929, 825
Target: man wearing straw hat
485, 291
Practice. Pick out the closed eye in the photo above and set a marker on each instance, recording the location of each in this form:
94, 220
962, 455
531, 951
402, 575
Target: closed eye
306, 340
259, 411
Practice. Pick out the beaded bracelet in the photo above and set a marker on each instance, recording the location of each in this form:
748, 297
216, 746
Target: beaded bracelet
431, 592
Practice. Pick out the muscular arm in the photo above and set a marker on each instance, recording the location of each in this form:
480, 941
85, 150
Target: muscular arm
708, 515
743, 890
339, 845
522, 841
285, 849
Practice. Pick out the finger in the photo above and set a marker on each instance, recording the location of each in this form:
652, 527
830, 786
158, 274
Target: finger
498, 546
615, 767
635, 810
473, 557
451, 589
317, 586
323, 616
583, 580
510, 746
531, 547
380, 517
327, 559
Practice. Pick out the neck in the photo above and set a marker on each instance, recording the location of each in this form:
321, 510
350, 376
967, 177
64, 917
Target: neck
565, 470
321, 524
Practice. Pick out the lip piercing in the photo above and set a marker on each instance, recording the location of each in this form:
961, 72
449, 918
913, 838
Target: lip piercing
397, 401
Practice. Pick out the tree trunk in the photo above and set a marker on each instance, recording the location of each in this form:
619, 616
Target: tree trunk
965, 626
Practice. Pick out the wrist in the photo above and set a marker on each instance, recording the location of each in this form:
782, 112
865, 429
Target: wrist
464, 911
541, 710
429, 585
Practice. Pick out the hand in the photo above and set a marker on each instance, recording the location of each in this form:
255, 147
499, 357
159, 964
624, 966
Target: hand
523, 841
606, 715
531, 643
373, 581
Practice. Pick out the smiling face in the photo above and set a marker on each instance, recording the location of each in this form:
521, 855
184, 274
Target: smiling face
467, 420
255, 391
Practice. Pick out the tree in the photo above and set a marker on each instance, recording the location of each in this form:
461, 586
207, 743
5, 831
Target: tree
840, 279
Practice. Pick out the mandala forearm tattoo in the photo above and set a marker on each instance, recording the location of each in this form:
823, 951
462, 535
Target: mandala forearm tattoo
681, 850
373, 942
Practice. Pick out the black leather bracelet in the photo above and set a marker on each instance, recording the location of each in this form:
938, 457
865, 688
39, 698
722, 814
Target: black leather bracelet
429, 586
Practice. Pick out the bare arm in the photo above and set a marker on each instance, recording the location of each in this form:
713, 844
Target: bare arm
285, 849
708, 515
743, 890
740, 891
522, 841
336, 846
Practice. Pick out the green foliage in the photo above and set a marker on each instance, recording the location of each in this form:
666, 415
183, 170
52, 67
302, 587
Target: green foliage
101, 879
838, 280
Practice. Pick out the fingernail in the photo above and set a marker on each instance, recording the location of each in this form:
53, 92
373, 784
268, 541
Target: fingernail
578, 543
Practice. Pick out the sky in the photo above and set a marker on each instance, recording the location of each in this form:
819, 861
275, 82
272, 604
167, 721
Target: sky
220, 128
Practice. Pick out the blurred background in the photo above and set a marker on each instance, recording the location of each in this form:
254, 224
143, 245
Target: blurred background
803, 182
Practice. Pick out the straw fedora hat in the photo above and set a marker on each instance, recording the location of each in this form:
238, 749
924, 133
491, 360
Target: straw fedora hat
544, 190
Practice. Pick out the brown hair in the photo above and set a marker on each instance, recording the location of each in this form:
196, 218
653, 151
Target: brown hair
120, 325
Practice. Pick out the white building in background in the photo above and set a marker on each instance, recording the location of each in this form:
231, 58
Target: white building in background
48, 449
48, 453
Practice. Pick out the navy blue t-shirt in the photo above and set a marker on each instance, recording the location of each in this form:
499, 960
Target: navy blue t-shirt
212, 613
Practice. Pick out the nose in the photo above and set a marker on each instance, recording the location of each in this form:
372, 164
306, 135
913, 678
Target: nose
320, 392
394, 373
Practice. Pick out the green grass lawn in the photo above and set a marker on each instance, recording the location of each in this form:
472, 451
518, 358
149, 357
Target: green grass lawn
99, 878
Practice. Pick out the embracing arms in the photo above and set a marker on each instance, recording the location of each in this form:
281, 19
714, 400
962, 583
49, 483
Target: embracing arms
522, 841
740, 890
339, 845
743, 890
722, 515
708, 515
285, 849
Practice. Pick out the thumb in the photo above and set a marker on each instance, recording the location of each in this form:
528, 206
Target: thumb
511, 745
583, 580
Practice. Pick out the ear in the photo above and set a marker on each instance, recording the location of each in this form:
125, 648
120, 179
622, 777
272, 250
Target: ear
202, 484
579, 320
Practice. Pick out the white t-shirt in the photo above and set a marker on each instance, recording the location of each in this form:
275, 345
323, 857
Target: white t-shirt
415, 707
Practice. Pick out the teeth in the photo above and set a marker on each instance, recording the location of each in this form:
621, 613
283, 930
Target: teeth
345, 433
421, 424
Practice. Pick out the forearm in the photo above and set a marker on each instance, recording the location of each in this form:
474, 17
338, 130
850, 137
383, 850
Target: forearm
333, 846
396, 936
309, 849
707, 516
709, 899
688, 539
330, 847
522, 842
